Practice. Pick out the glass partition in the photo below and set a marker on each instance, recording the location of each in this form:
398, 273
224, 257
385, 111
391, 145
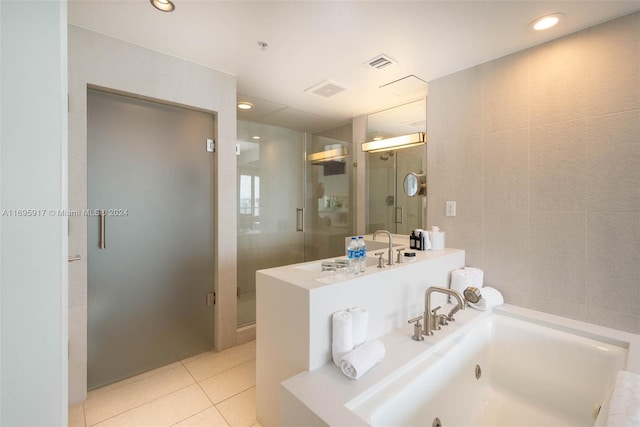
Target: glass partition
270, 167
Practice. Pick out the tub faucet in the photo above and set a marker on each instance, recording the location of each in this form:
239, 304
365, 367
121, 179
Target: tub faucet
432, 320
390, 255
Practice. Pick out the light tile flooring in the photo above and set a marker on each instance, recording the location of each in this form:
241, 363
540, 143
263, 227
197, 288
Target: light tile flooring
210, 389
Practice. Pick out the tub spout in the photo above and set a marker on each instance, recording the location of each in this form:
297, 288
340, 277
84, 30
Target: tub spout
432, 319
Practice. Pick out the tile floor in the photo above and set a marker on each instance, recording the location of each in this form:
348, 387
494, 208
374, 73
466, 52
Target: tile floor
210, 389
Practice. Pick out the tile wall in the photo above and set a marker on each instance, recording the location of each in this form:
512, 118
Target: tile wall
541, 151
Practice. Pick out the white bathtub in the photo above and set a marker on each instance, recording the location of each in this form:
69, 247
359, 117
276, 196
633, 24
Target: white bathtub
530, 374
536, 370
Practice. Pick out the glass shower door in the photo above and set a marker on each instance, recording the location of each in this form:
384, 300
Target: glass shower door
270, 168
150, 257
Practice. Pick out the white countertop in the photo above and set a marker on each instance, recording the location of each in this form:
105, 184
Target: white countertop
306, 276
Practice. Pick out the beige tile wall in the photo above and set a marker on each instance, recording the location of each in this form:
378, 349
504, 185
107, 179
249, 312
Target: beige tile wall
541, 151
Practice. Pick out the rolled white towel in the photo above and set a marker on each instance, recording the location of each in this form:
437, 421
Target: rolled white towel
356, 363
624, 408
491, 297
477, 276
460, 280
342, 335
360, 320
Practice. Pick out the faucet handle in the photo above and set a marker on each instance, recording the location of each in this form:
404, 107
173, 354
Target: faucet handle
380, 260
434, 311
417, 329
400, 259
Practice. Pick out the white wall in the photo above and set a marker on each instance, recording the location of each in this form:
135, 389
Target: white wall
33, 273
95, 59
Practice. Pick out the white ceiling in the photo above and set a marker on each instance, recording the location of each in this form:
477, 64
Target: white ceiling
313, 41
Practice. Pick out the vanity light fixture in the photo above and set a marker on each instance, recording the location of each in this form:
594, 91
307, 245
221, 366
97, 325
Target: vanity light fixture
546, 21
243, 105
335, 153
163, 5
395, 143
256, 137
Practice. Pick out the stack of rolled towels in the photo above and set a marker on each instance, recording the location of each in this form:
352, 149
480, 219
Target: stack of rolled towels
350, 351
462, 278
624, 408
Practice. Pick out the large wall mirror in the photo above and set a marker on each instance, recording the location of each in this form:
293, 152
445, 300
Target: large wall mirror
388, 205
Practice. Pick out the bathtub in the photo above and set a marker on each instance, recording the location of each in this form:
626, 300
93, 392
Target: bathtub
510, 367
504, 371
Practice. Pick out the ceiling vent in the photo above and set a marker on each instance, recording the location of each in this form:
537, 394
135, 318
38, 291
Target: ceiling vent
381, 61
327, 89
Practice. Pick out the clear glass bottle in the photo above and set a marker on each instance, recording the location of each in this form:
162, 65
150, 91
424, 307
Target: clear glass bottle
362, 247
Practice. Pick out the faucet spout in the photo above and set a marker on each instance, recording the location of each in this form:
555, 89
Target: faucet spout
390, 255
431, 319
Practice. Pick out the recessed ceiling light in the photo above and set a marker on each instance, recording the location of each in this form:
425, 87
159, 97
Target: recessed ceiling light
243, 105
255, 137
163, 5
546, 21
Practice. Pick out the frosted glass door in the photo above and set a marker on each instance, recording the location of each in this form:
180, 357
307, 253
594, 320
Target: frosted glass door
270, 201
148, 168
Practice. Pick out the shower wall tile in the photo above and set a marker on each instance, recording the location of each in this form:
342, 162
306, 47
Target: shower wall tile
557, 166
613, 261
463, 184
567, 242
614, 319
560, 307
506, 250
459, 100
614, 67
505, 103
557, 247
506, 156
613, 156
558, 80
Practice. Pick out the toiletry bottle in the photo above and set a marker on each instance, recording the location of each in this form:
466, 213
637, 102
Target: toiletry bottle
363, 253
412, 240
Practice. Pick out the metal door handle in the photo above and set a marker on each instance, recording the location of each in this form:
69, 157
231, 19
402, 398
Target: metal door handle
74, 258
299, 219
401, 221
102, 243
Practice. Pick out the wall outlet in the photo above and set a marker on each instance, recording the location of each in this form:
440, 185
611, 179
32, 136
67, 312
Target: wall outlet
450, 209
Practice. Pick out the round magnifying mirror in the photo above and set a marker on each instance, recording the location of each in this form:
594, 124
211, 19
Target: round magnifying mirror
411, 184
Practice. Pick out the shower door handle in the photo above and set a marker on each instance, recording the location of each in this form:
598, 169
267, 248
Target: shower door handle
400, 218
299, 219
102, 242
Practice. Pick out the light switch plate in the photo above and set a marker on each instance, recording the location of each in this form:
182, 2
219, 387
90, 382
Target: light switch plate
450, 208
211, 146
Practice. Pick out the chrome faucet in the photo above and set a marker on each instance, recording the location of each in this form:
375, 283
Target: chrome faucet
433, 320
390, 258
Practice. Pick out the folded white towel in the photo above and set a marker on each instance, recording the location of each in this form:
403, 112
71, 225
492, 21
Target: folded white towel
342, 335
624, 408
360, 318
491, 297
356, 363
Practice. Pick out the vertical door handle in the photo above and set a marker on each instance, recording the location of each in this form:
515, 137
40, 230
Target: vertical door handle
102, 243
299, 219
400, 218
